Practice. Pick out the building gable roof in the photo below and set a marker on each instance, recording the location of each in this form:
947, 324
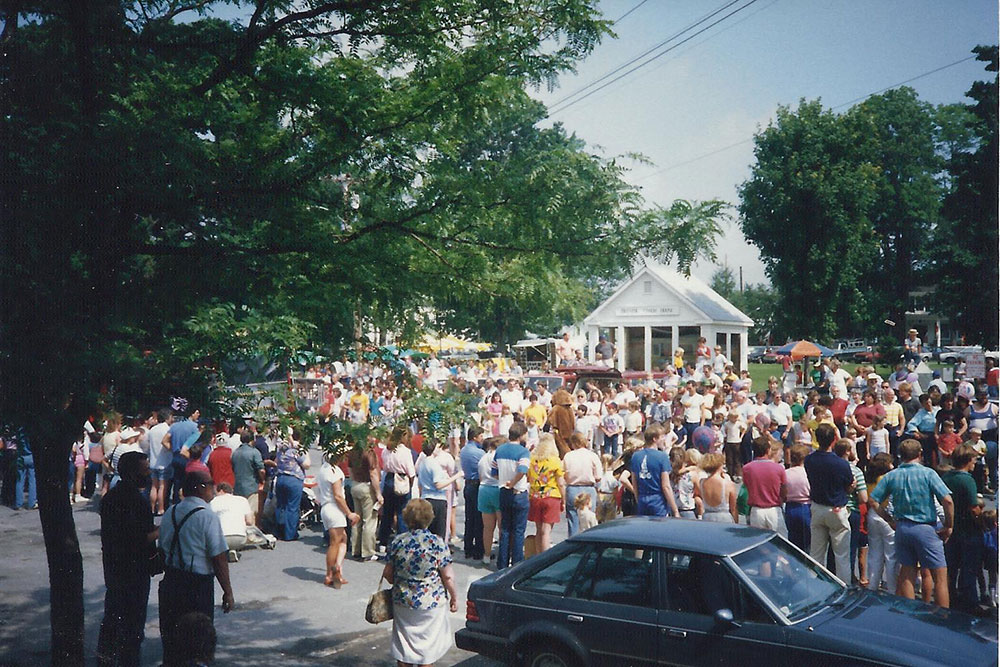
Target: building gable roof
689, 289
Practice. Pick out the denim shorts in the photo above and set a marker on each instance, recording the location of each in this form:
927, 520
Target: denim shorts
918, 543
162, 473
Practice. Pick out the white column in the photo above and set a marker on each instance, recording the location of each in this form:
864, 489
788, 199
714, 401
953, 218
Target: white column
744, 339
729, 347
647, 332
620, 344
675, 335
593, 338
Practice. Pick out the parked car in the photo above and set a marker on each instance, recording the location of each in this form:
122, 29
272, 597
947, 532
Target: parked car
755, 354
644, 591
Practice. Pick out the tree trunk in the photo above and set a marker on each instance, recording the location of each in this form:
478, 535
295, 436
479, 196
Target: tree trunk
62, 548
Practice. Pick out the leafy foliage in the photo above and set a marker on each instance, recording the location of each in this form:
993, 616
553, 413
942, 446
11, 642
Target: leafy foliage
965, 242
847, 213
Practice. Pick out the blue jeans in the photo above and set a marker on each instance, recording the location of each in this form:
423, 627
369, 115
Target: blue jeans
797, 521
25, 472
514, 519
287, 497
652, 505
612, 445
572, 519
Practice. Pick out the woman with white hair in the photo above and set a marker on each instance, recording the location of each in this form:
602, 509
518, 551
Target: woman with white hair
547, 489
423, 589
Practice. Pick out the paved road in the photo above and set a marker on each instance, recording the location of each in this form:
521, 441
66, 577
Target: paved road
283, 611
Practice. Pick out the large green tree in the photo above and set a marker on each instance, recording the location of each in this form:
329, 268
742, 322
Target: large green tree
898, 133
806, 209
964, 248
179, 188
845, 208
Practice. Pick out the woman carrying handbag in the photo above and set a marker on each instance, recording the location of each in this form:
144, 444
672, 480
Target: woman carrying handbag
423, 590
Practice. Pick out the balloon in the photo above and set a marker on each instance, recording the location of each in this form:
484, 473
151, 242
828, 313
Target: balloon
703, 439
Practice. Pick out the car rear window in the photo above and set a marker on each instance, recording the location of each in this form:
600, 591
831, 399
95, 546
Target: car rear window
553, 578
618, 575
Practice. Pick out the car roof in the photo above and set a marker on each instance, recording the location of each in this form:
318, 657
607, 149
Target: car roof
708, 537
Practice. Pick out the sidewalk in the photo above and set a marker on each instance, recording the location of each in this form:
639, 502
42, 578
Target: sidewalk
283, 611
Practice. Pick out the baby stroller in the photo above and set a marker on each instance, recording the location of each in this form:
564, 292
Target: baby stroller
309, 507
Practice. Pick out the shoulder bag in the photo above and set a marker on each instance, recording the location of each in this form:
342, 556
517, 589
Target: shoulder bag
379, 604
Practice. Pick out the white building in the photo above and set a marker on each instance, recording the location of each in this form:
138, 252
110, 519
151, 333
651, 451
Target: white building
658, 310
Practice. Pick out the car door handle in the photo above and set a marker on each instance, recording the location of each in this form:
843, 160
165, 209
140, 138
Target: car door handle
677, 634
573, 618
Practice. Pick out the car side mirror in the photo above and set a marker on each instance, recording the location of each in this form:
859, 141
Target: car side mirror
724, 618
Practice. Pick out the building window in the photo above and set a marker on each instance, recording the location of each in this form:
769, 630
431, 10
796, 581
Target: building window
647, 287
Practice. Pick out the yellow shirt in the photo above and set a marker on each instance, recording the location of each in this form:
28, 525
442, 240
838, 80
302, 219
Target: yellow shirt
362, 398
813, 424
893, 414
538, 412
544, 476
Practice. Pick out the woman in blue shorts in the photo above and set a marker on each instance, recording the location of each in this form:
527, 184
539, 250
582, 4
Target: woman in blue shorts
489, 494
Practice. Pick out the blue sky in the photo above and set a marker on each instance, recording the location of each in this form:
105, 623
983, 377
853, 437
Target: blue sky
719, 88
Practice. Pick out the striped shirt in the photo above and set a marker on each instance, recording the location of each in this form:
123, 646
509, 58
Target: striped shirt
510, 459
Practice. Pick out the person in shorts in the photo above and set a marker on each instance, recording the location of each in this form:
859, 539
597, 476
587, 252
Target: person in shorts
912, 489
335, 515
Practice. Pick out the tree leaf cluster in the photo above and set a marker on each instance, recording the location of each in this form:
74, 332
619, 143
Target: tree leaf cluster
853, 211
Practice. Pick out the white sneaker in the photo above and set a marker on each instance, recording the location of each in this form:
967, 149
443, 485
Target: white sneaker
486, 560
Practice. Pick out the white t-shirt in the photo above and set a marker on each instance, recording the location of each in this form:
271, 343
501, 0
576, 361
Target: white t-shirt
586, 425
733, 431
159, 457
720, 363
781, 415
232, 511
839, 378
692, 406
327, 476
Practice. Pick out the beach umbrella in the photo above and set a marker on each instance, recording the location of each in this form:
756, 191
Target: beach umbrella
802, 349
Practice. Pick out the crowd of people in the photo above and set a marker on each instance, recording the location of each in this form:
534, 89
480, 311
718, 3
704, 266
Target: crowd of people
881, 480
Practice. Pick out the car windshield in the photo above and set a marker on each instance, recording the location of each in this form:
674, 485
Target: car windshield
793, 583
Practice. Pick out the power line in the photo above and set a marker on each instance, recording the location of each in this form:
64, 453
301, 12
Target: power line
688, 49
903, 83
839, 106
644, 53
648, 61
618, 20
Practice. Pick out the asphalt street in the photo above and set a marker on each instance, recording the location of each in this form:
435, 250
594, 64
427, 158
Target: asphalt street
284, 614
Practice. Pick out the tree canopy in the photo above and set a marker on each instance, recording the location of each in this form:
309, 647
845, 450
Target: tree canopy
189, 181
853, 211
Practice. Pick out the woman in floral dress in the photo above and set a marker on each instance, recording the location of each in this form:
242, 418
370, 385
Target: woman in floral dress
423, 590
547, 488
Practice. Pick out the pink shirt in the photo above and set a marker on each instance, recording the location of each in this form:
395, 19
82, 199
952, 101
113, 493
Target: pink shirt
582, 467
763, 479
797, 485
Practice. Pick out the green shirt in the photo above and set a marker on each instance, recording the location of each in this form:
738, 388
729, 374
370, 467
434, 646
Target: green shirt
912, 488
797, 411
965, 496
859, 485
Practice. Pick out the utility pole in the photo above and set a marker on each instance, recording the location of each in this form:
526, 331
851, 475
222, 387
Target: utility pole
741, 280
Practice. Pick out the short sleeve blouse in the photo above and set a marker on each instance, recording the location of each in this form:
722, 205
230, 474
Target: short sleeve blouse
417, 558
290, 462
543, 477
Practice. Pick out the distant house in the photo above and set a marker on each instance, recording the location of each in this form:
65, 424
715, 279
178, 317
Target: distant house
658, 310
933, 328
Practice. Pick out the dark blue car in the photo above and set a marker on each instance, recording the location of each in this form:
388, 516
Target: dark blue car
644, 591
